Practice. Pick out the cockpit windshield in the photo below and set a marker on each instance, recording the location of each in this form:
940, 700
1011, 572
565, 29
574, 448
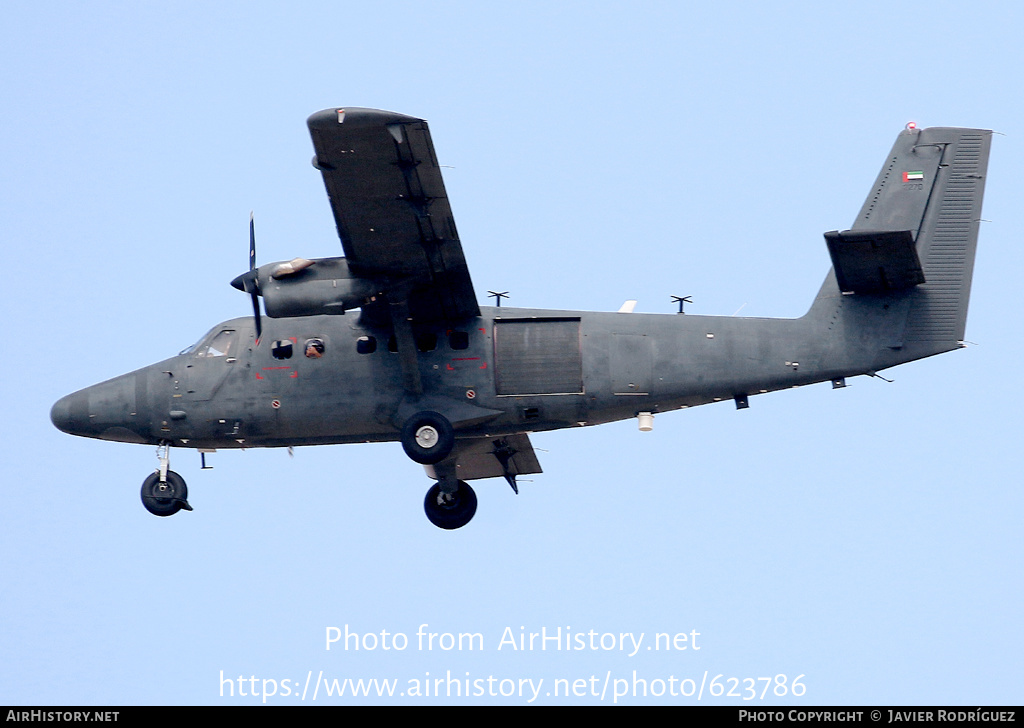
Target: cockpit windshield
217, 342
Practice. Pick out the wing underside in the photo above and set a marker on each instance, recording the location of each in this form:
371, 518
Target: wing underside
391, 209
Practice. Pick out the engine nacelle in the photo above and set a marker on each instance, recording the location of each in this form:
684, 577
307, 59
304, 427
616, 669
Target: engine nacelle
308, 288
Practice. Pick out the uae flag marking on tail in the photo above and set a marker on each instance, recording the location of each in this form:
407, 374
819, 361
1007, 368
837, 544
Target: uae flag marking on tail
911, 176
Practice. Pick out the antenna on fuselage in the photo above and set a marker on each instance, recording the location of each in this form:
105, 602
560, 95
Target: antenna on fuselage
681, 300
497, 297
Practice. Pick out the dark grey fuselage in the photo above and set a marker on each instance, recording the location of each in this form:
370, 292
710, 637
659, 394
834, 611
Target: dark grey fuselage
612, 366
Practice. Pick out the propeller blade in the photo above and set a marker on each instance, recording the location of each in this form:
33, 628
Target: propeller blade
250, 282
252, 243
256, 315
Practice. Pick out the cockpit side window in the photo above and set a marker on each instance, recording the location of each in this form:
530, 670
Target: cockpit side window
222, 344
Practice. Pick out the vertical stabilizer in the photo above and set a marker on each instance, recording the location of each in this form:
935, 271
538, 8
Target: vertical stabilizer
911, 248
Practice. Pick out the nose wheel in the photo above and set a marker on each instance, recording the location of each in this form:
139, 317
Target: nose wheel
165, 497
164, 492
450, 509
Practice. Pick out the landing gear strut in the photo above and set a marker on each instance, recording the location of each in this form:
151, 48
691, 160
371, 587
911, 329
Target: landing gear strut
450, 509
164, 492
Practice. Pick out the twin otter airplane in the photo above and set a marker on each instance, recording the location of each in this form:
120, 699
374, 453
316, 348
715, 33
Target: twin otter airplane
461, 386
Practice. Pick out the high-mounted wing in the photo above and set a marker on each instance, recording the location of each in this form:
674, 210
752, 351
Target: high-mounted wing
390, 206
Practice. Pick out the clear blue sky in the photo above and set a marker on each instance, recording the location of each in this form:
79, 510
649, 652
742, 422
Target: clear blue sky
867, 539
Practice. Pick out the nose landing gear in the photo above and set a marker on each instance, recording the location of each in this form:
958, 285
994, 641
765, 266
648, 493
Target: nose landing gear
164, 492
165, 498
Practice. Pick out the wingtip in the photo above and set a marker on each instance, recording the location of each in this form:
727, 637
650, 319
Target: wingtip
357, 116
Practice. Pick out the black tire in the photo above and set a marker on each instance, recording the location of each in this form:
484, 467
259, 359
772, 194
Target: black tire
454, 513
428, 438
164, 499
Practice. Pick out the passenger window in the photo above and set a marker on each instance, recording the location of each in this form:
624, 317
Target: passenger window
426, 342
458, 340
314, 348
281, 349
366, 345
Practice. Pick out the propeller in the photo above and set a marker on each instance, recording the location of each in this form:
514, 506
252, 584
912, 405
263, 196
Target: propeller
250, 282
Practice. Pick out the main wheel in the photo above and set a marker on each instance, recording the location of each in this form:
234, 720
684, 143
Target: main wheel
450, 511
167, 498
428, 438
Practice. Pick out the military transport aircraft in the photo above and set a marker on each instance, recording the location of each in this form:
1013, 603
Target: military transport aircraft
461, 386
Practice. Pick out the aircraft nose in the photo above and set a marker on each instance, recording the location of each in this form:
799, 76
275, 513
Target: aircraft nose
106, 410
65, 413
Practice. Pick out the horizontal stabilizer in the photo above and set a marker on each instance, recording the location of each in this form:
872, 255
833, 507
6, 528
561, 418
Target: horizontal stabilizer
874, 261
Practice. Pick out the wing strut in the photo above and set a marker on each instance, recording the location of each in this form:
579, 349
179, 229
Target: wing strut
406, 343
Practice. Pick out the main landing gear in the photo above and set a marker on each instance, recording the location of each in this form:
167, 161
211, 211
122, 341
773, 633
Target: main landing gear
450, 509
428, 437
164, 492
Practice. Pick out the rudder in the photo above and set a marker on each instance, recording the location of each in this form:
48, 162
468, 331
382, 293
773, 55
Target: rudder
948, 238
